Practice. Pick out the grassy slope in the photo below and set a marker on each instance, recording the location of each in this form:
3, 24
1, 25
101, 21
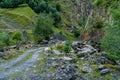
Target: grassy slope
22, 16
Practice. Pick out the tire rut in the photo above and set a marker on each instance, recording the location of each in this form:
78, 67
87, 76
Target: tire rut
14, 61
24, 65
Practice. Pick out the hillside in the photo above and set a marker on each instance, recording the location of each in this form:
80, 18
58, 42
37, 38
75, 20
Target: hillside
21, 17
59, 39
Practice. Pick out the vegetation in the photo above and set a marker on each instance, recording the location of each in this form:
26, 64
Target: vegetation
111, 41
43, 28
67, 46
4, 39
17, 37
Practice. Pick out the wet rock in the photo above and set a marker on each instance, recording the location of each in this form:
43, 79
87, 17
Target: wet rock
56, 52
86, 69
105, 71
65, 72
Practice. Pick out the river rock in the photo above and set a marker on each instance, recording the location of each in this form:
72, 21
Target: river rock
83, 50
56, 52
86, 69
65, 72
100, 67
105, 71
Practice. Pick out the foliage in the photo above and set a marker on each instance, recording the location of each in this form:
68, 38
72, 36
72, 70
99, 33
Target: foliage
43, 28
4, 39
98, 24
57, 18
76, 32
10, 3
17, 36
111, 41
67, 46
58, 7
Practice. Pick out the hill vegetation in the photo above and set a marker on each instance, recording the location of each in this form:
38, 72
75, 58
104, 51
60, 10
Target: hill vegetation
22, 15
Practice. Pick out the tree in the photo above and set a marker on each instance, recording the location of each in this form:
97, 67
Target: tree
43, 28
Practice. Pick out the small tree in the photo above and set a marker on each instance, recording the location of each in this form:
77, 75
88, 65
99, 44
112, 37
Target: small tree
43, 28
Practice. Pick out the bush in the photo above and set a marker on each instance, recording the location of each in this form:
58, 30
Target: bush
17, 37
76, 32
4, 39
58, 7
43, 28
111, 42
67, 47
57, 18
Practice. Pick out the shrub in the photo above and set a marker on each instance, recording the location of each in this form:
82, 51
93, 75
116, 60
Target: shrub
76, 32
57, 18
67, 47
43, 28
4, 39
111, 42
58, 7
18, 37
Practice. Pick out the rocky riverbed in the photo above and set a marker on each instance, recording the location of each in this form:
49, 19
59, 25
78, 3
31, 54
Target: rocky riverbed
84, 62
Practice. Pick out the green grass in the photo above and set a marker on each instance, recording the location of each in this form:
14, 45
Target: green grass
23, 15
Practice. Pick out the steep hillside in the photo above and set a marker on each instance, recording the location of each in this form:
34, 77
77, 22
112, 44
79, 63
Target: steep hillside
21, 17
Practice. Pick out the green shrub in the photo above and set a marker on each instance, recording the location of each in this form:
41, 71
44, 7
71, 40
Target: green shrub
17, 37
58, 7
4, 39
57, 18
67, 46
76, 32
43, 28
111, 42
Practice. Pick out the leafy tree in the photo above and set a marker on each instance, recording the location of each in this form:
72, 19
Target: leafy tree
43, 28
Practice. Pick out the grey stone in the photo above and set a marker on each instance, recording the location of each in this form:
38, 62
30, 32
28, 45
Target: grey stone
105, 71
56, 52
67, 58
100, 67
65, 72
86, 69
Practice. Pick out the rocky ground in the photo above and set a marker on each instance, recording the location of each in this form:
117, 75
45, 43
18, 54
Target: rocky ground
84, 62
